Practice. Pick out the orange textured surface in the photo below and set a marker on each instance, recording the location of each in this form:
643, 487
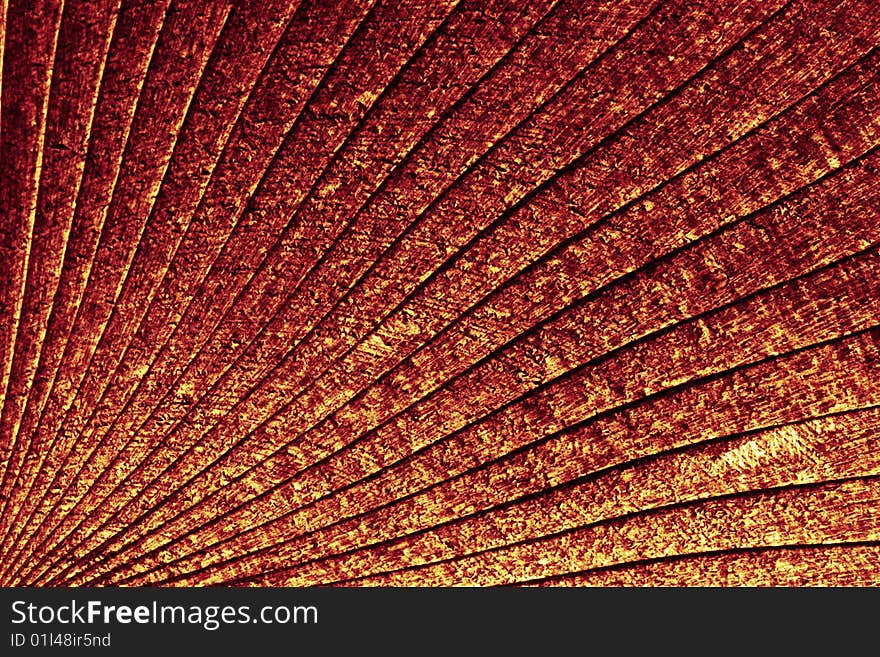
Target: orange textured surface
440, 292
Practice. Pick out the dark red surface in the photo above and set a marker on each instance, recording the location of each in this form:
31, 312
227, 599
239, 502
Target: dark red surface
439, 292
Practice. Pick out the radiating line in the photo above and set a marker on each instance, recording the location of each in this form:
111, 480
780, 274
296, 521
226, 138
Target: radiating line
433, 294
682, 85
642, 460
18, 295
36, 356
181, 420
78, 314
644, 338
56, 504
34, 430
37, 504
827, 484
787, 196
693, 556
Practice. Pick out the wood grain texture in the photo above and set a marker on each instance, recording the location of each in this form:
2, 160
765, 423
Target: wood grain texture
408, 292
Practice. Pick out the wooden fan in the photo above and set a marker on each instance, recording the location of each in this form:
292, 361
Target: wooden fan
415, 292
